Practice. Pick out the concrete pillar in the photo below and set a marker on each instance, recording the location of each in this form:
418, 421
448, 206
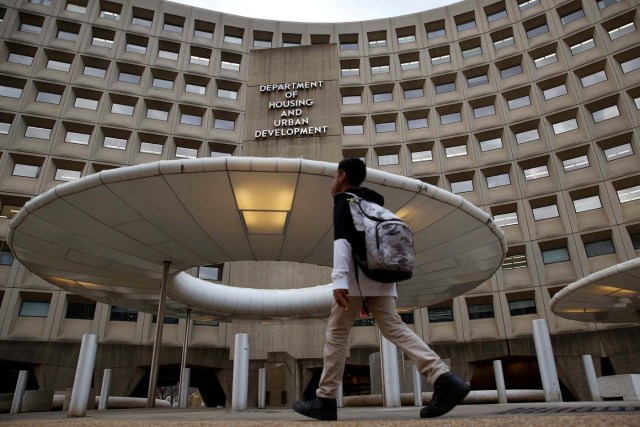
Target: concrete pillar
546, 364
417, 387
240, 385
104, 391
262, 388
157, 342
21, 386
390, 377
84, 373
592, 379
500, 387
183, 391
340, 397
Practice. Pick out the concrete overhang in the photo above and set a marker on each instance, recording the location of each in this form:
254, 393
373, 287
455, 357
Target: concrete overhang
611, 295
106, 236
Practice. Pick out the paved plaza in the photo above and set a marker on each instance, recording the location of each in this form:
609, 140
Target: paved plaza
610, 413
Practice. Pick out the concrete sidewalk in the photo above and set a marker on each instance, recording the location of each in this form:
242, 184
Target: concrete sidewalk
605, 414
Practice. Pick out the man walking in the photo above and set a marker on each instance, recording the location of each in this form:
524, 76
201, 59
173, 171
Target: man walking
352, 291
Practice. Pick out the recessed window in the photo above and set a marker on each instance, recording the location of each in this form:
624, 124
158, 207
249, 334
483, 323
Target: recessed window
520, 102
513, 262
30, 28
440, 314
191, 119
75, 7
536, 31
546, 60
48, 97
630, 65
629, 194
446, 119
409, 65
102, 42
618, 152
505, 73
27, 171
575, 163
417, 123
353, 129
527, 4
552, 256
527, 136
34, 309
485, 110
456, 151
377, 43
203, 29
635, 241
388, 159
505, 220
77, 138
413, 93
162, 83
107, 14
151, 148
554, 92
467, 25
210, 272
461, 186
435, 33
582, 46
58, 65
5, 126
80, 310
600, 247
379, 69
18, 58
623, 30
122, 314
94, 71
407, 39
172, 28
477, 80
139, 20
605, 114
114, 143
522, 307
545, 212
442, 59
421, 156
199, 60
507, 41
573, 16
186, 153
41, 2
66, 175
136, 48
471, 52
267, 44
129, 78
382, 97
498, 180
480, 311
536, 173
385, 127
228, 65
497, 15
86, 103
446, 87
343, 46
224, 124
491, 144
123, 109
592, 79
37, 132
587, 204
194, 88
155, 114
565, 126
167, 54
606, 3
229, 94
352, 99
346, 72
232, 39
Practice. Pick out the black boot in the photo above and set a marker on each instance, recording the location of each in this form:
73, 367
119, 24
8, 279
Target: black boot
448, 391
320, 408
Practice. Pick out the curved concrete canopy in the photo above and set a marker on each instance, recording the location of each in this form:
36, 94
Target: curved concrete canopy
105, 236
610, 295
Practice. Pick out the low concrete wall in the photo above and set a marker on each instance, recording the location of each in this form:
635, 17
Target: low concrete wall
474, 397
37, 401
115, 402
626, 386
5, 402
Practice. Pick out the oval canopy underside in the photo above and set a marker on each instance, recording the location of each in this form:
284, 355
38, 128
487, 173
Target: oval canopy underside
106, 236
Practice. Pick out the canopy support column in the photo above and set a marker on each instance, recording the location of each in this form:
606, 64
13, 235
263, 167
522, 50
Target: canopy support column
183, 391
157, 343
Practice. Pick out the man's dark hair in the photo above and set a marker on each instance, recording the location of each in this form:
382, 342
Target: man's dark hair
355, 169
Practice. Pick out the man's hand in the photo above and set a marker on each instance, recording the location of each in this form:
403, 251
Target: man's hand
341, 298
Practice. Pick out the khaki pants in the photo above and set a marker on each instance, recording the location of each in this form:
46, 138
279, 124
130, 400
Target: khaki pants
391, 326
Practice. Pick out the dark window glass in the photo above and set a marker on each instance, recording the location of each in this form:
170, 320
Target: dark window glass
440, 314
600, 247
34, 309
635, 240
407, 317
552, 256
522, 307
122, 314
81, 310
481, 311
168, 320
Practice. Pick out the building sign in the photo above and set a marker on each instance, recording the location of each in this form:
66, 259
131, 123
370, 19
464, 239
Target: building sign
293, 109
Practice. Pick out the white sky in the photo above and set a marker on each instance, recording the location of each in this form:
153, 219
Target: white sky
318, 10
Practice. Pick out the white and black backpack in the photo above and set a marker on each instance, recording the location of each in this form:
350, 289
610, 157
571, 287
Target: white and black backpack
390, 256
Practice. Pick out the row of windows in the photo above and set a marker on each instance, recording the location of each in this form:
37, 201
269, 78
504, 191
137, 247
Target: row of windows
533, 27
518, 307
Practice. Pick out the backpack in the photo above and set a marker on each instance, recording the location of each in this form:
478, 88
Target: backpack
390, 256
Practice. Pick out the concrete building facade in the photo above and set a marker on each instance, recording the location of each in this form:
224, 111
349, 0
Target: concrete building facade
529, 109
